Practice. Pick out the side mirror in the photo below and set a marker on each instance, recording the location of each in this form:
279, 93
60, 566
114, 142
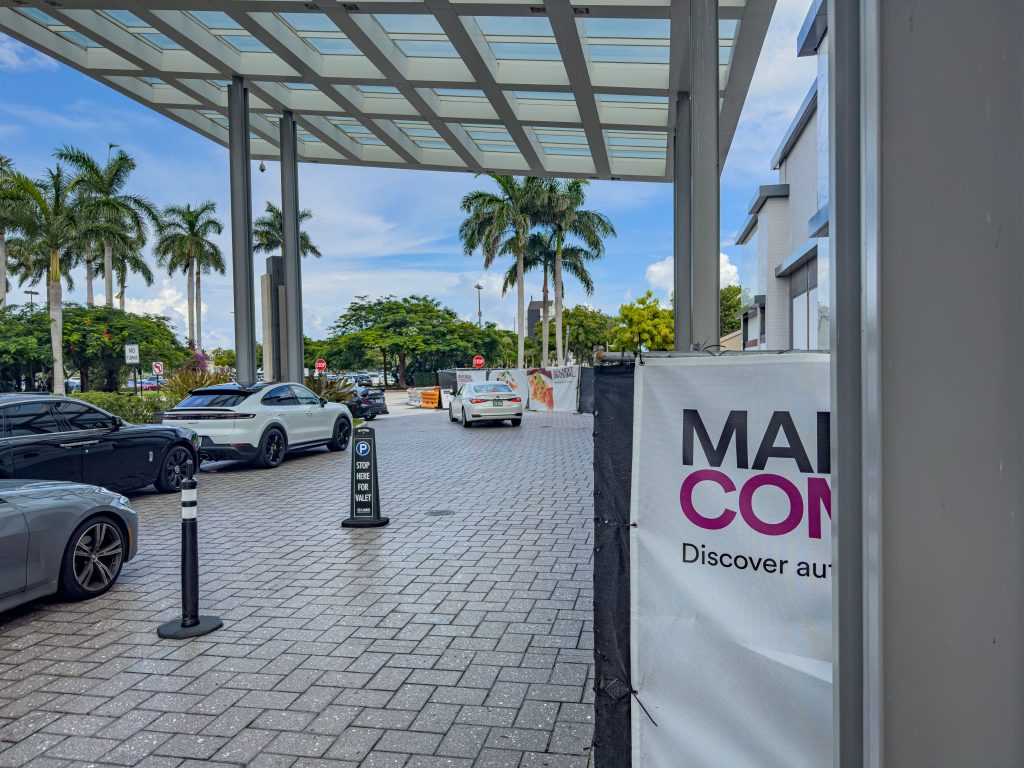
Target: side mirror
115, 424
323, 401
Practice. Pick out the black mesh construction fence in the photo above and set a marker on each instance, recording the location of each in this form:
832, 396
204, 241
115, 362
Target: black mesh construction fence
613, 457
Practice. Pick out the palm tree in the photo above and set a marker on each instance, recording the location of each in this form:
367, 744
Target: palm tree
103, 190
561, 212
493, 218
540, 253
268, 232
129, 259
207, 261
53, 225
8, 221
183, 242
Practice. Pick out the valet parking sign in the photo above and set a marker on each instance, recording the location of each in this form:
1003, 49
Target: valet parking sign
730, 558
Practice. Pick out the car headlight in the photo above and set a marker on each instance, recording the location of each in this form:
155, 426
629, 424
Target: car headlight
195, 439
122, 501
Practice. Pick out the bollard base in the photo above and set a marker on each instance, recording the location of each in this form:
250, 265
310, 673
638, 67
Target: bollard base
354, 522
173, 630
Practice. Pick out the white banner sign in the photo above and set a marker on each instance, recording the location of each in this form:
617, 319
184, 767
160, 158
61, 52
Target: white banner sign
730, 558
554, 389
515, 378
466, 376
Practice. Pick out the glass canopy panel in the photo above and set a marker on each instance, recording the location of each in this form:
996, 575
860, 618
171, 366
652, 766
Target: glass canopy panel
428, 49
39, 17
245, 43
377, 90
638, 144
338, 46
460, 93
215, 19
79, 39
491, 138
309, 22
160, 40
126, 19
563, 141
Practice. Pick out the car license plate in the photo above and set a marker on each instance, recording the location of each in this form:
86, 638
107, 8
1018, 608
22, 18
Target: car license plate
497, 403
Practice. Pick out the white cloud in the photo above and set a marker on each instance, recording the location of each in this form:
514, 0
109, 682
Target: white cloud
16, 57
660, 274
169, 302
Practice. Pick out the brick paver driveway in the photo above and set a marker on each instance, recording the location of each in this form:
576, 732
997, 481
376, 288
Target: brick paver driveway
460, 635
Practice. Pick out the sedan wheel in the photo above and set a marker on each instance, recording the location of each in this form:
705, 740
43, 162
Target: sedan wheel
93, 559
466, 423
174, 469
451, 414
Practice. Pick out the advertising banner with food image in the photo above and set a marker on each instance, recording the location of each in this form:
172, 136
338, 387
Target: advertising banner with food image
515, 378
554, 389
465, 376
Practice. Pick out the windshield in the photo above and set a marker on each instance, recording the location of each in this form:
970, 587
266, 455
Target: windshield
491, 388
213, 400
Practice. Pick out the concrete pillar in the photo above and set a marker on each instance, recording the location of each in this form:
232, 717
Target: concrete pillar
941, 183
241, 232
293, 346
696, 174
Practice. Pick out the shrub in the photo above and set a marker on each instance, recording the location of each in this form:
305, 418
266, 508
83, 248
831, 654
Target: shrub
136, 409
337, 391
178, 385
424, 379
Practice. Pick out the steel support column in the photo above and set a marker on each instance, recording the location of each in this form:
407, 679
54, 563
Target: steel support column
294, 363
845, 343
241, 232
696, 192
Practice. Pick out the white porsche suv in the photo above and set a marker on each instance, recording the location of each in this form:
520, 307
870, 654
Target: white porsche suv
262, 422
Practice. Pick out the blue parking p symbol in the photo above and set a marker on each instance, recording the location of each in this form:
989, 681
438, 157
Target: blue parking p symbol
362, 447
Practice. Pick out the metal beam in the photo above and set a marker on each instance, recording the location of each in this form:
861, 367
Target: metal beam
241, 232
682, 208
293, 362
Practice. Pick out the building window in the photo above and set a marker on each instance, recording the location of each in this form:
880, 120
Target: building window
803, 292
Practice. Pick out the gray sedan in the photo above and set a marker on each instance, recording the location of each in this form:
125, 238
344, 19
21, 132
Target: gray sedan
62, 537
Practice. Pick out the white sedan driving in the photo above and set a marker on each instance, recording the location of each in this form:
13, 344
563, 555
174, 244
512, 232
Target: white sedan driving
486, 401
262, 422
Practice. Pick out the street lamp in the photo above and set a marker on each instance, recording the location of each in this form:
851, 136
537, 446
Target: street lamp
479, 306
31, 305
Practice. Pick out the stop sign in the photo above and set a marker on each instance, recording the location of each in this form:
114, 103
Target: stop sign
321, 365
478, 361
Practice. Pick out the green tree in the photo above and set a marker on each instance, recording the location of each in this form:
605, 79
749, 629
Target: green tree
541, 254
24, 346
95, 337
729, 303
184, 245
9, 217
128, 259
105, 199
643, 324
587, 328
561, 210
53, 223
492, 219
268, 232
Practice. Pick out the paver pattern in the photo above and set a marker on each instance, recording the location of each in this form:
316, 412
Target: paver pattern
459, 635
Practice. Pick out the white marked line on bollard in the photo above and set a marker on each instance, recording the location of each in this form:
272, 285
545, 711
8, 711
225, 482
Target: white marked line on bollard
188, 513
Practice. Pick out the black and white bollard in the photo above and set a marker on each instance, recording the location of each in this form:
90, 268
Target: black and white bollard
364, 511
191, 624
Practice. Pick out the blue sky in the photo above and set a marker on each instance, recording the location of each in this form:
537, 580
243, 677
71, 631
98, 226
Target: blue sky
382, 231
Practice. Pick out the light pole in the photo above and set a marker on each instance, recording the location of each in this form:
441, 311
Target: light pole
479, 305
31, 305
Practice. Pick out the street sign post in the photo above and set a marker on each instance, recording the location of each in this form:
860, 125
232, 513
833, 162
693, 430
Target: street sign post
321, 365
365, 508
478, 361
158, 368
131, 354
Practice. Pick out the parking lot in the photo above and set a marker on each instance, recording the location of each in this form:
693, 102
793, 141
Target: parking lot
459, 635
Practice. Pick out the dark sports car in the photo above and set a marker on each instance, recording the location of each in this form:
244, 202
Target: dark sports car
367, 403
58, 438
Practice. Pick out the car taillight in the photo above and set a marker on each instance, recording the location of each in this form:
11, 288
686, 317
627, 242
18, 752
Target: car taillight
515, 399
207, 416
477, 402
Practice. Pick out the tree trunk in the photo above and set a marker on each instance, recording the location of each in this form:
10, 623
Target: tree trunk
191, 277
90, 300
84, 377
401, 370
108, 272
558, 302
120, 295
545, 344
3, 269
521, 306
199, 314
384, 370
53, 294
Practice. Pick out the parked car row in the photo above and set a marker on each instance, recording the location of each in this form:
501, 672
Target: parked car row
61, 532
